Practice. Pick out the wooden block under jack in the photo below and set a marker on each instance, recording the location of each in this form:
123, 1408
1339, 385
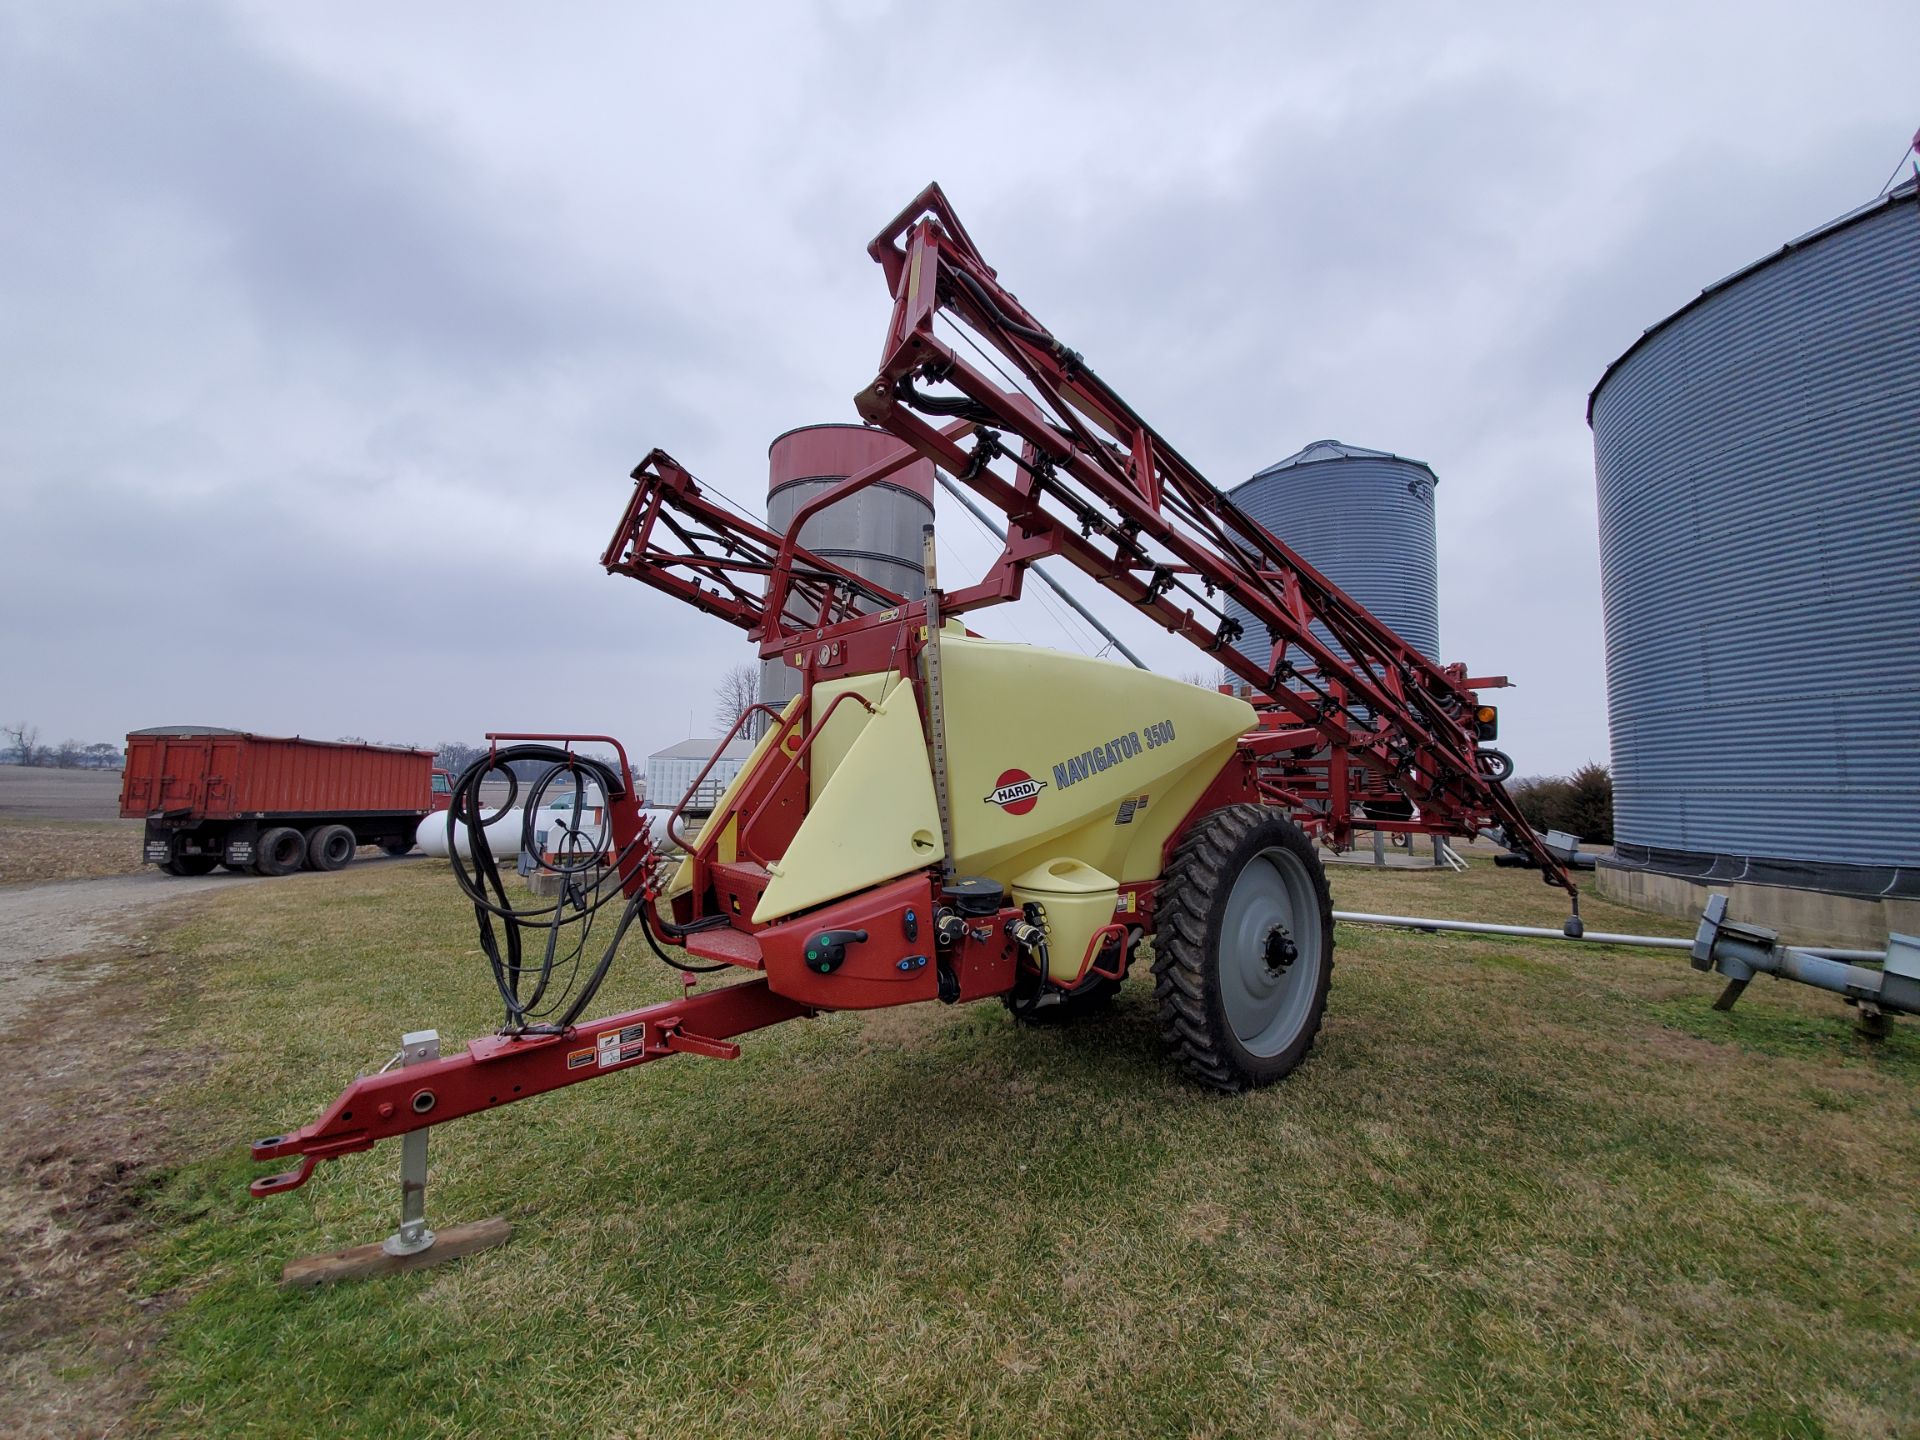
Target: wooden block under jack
363, 1261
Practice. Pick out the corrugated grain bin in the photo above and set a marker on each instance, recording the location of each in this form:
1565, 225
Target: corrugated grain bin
1364, 519
876, 533
1757, 456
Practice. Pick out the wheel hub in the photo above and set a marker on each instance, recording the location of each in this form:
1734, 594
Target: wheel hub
1270, 941
1279, 952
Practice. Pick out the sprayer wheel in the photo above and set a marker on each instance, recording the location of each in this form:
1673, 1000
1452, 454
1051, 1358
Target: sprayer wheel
1243, 948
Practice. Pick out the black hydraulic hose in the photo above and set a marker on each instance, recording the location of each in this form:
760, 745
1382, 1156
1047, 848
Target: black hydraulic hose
647, 923
578, 902
961, 407
487, 891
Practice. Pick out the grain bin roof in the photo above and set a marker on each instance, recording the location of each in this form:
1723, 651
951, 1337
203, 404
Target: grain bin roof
1900, 195
1321, 451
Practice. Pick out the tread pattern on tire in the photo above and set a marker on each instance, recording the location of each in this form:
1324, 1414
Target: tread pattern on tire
1190, 1030
323, 840
264, 863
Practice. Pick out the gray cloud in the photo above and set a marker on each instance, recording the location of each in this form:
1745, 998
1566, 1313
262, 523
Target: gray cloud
329, 335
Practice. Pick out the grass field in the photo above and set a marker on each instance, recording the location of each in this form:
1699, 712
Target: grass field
1518, 1189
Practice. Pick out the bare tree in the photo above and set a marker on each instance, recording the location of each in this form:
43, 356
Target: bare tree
454, 756
1220, 676
22, 739
67, 755
735, 695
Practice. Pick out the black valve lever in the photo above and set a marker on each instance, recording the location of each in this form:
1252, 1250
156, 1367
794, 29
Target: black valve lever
827, 951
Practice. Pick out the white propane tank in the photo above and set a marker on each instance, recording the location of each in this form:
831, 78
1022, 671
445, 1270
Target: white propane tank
503, 836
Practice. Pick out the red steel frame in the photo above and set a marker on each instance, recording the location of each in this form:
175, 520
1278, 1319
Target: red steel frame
1084, 478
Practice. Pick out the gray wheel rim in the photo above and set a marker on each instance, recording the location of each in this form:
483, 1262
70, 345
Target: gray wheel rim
1266, 1007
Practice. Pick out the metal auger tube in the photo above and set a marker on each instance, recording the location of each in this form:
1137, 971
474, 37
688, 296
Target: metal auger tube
1590, 937
1739, 952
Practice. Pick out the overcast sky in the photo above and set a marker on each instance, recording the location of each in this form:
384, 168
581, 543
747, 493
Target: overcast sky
331, 331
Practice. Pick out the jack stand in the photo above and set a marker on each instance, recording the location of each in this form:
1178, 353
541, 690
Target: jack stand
413, 1236
413, 1246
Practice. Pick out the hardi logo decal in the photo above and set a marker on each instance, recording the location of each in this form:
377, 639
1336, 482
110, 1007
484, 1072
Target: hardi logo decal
1016, 792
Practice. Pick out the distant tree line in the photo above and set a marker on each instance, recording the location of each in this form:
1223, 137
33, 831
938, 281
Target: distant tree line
1580, 804
454, 756
22, 747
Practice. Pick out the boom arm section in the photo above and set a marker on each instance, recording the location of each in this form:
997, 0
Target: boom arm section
1081, 475
677, 538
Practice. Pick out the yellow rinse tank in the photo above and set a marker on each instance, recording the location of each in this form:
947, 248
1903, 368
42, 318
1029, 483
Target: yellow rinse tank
1077, 901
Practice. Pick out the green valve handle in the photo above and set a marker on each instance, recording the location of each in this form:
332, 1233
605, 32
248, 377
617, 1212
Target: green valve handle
827, 951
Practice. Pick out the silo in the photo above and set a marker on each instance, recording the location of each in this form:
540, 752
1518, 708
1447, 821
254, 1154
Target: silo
1757, 456
876, 533
1364, 519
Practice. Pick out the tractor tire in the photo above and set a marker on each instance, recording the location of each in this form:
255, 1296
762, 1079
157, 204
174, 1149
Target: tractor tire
191, 864
398, 845
331, 847
279, 851
1243, 948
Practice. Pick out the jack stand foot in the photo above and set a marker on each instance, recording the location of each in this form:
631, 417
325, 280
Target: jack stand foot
400, 1244
365, 1261
413, 1246
1871, 1023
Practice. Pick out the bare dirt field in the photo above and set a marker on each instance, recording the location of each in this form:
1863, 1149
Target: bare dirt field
34, 850
34, 793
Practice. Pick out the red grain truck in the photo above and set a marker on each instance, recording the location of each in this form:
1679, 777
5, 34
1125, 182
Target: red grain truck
269, 804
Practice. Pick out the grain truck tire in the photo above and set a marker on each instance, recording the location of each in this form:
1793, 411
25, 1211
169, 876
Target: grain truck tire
279, 851
330, 847
190, 864
1243, 948
398, 845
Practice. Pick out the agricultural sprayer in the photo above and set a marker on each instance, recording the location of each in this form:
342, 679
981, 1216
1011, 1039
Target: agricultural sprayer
942, 817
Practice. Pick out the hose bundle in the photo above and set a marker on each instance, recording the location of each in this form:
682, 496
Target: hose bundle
537, 952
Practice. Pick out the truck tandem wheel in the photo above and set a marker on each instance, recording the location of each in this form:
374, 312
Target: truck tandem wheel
330, 847
279, 851
1243, 948
191, 864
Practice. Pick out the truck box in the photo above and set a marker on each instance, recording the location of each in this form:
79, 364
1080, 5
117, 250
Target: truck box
209, 795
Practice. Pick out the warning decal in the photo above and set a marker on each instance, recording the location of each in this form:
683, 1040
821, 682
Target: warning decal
620, 1047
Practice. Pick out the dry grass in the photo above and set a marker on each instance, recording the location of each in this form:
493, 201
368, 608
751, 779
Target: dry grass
1519, 1189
